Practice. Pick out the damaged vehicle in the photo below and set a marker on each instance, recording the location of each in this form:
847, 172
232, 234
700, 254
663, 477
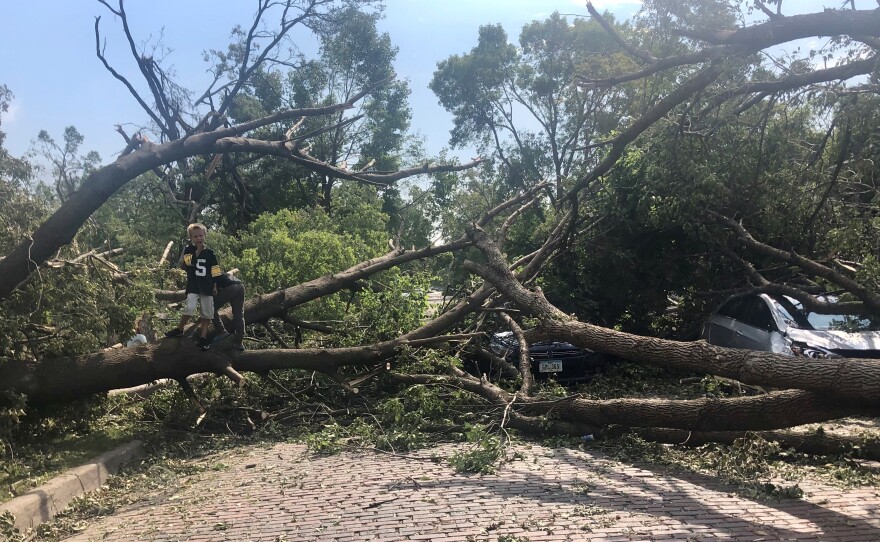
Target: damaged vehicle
780, 324
562, 361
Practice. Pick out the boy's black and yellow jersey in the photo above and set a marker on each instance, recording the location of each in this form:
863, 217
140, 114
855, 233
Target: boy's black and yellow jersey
202, 270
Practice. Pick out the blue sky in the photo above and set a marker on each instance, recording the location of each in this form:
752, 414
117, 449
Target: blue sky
47, 55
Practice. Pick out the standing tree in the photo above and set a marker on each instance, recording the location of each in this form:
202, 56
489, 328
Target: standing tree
352, 55
492, 88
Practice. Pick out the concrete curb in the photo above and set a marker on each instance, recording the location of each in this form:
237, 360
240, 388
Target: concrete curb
42, 503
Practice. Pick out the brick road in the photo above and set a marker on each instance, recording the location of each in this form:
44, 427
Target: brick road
280, 493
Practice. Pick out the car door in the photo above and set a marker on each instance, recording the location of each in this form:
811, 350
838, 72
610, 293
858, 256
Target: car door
718, 328
754, 325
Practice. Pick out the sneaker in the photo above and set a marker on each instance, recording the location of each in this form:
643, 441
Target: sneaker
239, 347
176, 332
220, 336
204, 343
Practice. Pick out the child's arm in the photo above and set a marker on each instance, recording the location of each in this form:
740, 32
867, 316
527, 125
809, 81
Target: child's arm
183, 261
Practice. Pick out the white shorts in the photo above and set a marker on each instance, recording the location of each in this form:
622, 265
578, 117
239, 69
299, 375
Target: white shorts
206, 303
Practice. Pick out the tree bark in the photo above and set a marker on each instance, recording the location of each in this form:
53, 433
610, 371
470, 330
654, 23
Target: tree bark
769, 411
66, 379
847, 379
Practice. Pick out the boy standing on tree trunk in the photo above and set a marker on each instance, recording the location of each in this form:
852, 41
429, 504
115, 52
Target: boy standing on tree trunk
202, 273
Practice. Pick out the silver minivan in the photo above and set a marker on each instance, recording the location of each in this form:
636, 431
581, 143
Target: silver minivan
779, 324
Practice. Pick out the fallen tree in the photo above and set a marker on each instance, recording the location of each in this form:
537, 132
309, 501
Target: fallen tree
823, 390
820, 390
79, 377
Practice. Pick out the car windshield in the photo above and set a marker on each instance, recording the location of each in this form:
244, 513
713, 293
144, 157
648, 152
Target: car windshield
794, 315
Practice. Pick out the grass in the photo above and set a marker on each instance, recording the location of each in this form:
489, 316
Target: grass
31, 463
172, 458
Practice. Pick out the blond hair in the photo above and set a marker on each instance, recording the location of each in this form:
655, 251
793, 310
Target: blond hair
195, 226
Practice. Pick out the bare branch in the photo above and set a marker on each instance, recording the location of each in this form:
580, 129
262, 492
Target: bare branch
743, 41
766, 10
100, 53
838, 73
525, 361
60, 228
165, 253
830, 22
869, 298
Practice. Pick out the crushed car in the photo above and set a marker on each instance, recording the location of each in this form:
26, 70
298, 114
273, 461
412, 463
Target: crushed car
562, 361
780, 324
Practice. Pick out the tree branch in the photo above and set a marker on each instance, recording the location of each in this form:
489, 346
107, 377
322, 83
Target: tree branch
870, 298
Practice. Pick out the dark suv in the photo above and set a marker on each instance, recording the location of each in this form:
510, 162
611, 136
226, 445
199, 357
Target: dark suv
563, 361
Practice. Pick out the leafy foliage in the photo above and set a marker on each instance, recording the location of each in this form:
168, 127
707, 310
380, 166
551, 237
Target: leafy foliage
398, 307
70, 311
409, 420
12, 170
497, 82
487, 450
292, 246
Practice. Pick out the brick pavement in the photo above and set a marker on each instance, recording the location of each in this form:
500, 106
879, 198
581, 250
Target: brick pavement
280, 493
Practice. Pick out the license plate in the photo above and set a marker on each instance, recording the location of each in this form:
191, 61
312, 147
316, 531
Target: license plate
550, 366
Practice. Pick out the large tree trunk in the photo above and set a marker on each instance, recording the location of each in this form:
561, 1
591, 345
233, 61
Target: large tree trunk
770, 411
80, 376
855, 380
828, 389
66, 379
849, 380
